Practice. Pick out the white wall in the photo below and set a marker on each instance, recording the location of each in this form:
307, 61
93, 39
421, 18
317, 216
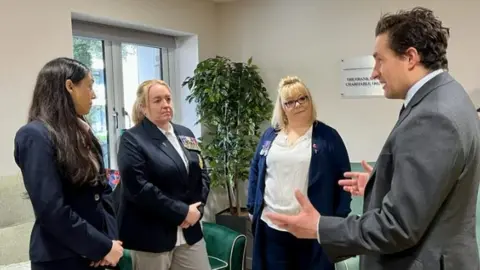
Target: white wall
309, 37
183, 68
302, 37
33, 32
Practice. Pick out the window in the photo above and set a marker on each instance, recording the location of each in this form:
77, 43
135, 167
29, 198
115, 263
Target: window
91, 53
140, 63
119, 59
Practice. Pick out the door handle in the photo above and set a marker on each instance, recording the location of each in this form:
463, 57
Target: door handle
115, 118
125, 114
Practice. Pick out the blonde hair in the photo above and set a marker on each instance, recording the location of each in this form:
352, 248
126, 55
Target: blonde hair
290, 87
142, 99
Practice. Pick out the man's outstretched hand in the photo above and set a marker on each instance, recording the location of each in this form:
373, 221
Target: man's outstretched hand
356, 182
302, 225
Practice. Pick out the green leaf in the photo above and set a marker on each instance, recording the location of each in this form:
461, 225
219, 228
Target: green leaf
232, 103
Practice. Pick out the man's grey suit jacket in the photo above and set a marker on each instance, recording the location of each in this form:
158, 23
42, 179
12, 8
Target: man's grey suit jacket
420, 201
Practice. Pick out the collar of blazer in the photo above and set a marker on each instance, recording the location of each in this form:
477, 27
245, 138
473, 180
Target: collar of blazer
153, 130
437, 81
155, 133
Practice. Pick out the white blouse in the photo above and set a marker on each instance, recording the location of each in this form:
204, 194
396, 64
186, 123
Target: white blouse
287, 170
173, 139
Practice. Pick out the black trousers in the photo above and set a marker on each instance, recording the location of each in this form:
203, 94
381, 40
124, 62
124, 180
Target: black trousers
283, 251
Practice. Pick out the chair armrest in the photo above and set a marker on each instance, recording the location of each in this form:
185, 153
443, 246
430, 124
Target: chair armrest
125, 262
348, 264
225, 245
217, 264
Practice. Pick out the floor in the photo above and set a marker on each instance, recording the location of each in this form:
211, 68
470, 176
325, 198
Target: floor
16, 266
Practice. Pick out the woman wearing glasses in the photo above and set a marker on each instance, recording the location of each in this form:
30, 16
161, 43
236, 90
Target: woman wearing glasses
297, 152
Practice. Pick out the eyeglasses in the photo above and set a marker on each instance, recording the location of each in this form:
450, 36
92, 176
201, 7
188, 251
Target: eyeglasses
291, 103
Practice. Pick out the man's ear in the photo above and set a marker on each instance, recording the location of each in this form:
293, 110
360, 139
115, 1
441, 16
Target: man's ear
413, 57
69, 86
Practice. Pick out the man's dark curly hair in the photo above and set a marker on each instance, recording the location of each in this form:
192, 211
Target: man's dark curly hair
420, 29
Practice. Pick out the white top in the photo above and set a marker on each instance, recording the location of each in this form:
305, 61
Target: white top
172, 138
287, 170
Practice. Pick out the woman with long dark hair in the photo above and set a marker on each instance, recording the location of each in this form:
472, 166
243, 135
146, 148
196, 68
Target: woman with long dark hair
61, 163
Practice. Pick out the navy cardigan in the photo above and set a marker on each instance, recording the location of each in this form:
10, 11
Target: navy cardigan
328, 164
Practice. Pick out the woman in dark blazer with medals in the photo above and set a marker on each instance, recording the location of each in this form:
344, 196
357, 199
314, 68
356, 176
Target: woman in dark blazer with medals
164, 185
61, 164
297, 152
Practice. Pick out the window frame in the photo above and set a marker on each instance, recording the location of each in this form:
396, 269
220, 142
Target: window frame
113, 37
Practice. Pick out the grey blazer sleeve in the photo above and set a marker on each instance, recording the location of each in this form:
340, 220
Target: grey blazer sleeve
427, 161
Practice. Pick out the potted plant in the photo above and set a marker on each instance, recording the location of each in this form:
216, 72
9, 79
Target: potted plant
232, 103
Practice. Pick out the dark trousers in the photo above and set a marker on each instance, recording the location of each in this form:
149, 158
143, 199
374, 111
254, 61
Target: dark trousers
283, 251
65, 264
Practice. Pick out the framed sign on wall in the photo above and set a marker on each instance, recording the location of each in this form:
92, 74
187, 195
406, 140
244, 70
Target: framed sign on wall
355, 78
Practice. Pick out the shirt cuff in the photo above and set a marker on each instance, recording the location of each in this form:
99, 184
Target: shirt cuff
318, 231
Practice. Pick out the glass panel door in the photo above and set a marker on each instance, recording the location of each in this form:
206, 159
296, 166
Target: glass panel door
139, 63
91, 53
118, 68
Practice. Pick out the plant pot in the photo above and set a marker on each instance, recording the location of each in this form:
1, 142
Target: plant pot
241, 224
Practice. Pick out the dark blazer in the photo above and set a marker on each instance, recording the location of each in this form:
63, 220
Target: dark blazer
420, 201
328, 163
157, 190
70, 221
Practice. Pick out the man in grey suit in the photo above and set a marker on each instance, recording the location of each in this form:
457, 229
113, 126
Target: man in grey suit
420, 200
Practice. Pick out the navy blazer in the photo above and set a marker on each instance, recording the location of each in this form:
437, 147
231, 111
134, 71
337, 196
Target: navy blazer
328, 163
157, 189
71, 221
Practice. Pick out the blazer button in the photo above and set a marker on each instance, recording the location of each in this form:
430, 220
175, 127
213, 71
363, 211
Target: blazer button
97, 197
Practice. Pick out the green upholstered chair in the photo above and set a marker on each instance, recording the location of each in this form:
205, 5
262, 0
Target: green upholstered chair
125, 262
225, 247
348, 264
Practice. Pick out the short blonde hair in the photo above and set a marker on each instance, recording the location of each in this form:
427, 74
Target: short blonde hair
288, 88
142, 99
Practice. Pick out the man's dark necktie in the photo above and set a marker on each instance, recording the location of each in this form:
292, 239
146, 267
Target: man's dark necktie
401, 110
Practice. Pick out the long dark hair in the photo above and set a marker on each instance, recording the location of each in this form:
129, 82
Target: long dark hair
53, 105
